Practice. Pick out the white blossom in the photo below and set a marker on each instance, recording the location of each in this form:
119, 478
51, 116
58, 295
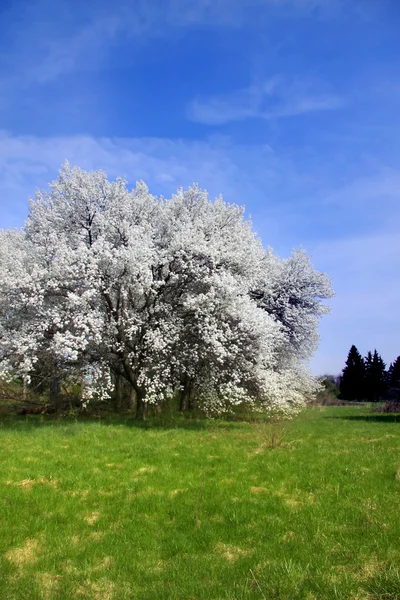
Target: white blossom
169, 293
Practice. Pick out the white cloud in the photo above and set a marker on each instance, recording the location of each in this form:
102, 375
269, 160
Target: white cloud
272, 99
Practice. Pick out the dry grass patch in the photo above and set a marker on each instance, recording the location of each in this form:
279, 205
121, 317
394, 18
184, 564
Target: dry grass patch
217, 519
292, 502
372, 567
92, 518
104, 589
26, 555
295, 499
143, 470
159, 566
259, 490
74, 540
367, 570
150, 491
106, 493
174, 493
82, 494
232, 553
29, 483
105, 563
98, 535
48, 584
375, 440
70, 568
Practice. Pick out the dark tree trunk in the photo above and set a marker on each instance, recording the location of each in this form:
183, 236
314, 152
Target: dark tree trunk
190, 402
182, 400
139, 393
55, 386
132, 399
189, 395
140, 406
185, 395
118, 392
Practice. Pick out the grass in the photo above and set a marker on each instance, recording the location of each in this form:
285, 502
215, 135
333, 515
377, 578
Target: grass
110, 510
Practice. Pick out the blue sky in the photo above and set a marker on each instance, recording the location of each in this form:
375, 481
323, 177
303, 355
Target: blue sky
290, 107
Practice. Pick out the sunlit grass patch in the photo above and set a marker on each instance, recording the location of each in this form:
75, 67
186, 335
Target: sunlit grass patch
194, 509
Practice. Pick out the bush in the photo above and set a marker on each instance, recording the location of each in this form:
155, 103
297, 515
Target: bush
390, 406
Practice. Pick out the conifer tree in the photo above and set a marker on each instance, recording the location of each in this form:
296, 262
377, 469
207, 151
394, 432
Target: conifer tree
375, 376
353, 376
394, 379
368, 376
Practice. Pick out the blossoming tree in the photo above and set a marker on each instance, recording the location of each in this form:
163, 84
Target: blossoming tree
171, 295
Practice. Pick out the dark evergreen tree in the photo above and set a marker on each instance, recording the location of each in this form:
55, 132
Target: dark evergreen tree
368, 376
353, 377
394, 379
375, 377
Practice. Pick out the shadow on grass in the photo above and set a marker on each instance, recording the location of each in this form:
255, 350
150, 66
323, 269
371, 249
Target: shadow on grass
33, 422
377, 418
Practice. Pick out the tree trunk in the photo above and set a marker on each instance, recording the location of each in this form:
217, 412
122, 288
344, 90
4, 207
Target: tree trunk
118, 392
190, 400
55, 386
182, 400
140, 406
132, 399
187, 400
185, 395
138, 395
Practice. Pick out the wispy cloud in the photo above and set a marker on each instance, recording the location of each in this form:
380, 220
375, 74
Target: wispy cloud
276, 188
46, 39
272, 99
52, 39
240, 172
27, 162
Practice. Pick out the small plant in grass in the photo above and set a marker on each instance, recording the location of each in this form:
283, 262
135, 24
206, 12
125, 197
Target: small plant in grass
271, 434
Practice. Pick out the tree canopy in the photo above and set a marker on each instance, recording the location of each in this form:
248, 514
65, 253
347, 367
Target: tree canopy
178, 293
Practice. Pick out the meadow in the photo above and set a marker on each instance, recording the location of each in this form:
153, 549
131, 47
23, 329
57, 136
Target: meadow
111, 509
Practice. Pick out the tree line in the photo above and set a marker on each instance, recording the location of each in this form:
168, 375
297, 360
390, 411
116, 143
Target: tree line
116, 293
368, 379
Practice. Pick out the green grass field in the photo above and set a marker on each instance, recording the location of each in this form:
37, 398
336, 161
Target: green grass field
109, 509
